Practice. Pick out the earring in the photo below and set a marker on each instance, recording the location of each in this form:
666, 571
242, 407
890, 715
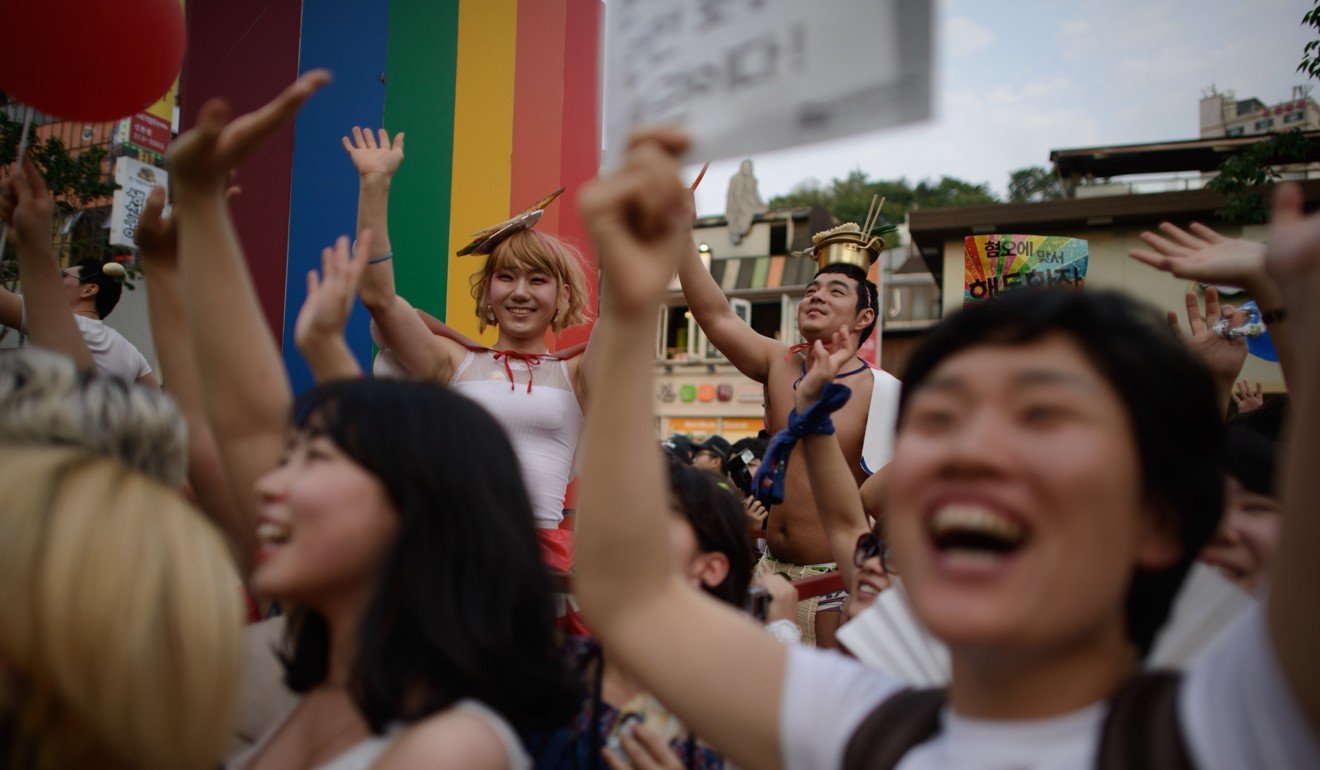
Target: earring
490, 314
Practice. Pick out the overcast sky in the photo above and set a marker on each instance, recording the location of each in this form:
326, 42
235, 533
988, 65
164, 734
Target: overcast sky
1018, 78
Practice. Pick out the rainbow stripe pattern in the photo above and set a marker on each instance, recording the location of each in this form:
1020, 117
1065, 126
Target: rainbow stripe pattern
498, 100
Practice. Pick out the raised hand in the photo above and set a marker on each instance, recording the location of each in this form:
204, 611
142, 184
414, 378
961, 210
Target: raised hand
823, 364
27, 207
1247, 399
783, 597
1204, 255
200, 159
1223, 356
157, 235
374, 156
639, 218
1294, 252
755, 511
645, 749
324, 313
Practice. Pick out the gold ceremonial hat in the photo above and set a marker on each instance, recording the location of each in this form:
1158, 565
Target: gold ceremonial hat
850, 243
845, 244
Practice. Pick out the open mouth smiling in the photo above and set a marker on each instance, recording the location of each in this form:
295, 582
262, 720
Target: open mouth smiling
975, 535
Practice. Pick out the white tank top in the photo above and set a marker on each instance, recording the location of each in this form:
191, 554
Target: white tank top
535, 403
364, 754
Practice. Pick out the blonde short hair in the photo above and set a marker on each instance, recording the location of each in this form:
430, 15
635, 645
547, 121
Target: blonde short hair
121, 633
532, 251
44, 399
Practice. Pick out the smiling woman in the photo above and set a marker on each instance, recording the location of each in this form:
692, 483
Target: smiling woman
530, 285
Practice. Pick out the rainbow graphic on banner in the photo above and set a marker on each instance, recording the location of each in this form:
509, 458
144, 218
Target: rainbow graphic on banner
995, 264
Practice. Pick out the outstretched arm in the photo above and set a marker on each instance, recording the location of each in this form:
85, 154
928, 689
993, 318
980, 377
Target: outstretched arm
319, 330
243, 383
1206, 256
28, 208
832, 484
157, 240
376, 159
732, 673
748, 350
1294, 262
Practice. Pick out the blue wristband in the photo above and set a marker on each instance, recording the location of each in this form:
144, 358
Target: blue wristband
378, 260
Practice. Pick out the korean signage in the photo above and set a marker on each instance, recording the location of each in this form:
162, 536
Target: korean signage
135, 180
997, 264
144, 131
747, 76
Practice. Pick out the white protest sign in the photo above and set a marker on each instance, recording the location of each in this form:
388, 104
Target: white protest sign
135, 180
747, 76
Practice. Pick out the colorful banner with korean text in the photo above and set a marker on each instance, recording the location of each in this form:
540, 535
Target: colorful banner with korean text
1000, 263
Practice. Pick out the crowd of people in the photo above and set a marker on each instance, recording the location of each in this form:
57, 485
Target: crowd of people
379, 573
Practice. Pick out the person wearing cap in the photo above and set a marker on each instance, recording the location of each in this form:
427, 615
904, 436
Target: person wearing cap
712, 455
90, 289
839, 296
679, 447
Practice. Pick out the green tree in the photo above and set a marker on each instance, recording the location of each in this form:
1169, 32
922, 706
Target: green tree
75, 179
1242, 177
1310, 65
849, 198
1033, 185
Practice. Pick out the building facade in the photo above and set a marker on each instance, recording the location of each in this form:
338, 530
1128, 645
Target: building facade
1224, 115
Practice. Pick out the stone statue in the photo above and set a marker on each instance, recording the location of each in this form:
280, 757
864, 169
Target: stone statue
743, 202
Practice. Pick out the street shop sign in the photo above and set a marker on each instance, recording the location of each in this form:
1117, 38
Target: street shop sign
135, 180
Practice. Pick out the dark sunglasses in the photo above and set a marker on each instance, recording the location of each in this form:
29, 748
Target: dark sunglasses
871, 547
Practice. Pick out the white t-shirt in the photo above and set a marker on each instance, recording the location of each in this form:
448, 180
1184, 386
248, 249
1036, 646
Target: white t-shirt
1235, 709
112, 353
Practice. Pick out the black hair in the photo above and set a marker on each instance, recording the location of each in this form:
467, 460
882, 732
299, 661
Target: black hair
1167, 393
868, 294
1250, 458
1252, 446
716, 517
463, 608
108, 290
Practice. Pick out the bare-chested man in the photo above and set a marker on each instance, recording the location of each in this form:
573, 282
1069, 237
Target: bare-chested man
838, 296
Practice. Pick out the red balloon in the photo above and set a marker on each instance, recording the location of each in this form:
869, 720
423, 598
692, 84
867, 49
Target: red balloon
90, 60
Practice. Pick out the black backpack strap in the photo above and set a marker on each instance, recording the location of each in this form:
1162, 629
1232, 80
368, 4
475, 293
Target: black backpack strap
901, 722
1142, 730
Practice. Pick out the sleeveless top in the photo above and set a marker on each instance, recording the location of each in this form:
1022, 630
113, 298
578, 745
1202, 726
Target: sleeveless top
365, 753
535, 403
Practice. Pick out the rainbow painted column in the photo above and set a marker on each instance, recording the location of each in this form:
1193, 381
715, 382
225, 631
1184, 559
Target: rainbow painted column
498, 100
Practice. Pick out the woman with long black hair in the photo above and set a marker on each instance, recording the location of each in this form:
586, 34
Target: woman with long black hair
389, 515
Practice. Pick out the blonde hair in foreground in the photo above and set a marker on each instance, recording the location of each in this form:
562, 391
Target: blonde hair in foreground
121, 632
534, 252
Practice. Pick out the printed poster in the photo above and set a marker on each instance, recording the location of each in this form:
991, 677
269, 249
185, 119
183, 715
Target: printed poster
998, 263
